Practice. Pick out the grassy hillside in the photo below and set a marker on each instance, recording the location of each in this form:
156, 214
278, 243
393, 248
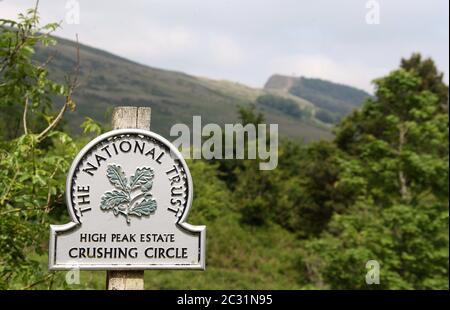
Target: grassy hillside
108, 81
332, 101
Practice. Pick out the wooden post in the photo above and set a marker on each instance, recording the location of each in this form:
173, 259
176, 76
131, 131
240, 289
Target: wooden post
128, 117
131, 117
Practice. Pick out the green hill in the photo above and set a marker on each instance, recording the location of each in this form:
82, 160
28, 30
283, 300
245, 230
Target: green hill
108, 80
332, 101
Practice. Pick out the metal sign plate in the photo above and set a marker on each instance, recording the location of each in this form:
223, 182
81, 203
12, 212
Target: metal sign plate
128, 194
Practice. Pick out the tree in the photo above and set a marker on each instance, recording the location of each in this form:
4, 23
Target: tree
34, 159
397, 148
431, 78
409, 242
401, 137
230, 168
284, 105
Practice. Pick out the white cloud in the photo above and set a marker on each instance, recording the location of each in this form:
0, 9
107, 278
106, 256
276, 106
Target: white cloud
155, 41
225, 51
247, 41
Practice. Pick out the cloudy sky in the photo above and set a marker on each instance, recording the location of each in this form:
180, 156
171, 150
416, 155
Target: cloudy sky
247, 41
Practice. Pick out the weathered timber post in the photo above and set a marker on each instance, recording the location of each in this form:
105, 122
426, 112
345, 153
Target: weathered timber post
122, 118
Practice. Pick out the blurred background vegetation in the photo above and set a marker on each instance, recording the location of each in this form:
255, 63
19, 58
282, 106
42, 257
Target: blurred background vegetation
354, 183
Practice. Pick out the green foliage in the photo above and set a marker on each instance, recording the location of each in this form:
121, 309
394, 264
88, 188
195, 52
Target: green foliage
431, 78
285, 105
401, 139
248, 115
379, 191
23, 81
32, 180
398, 161
314, 193
34, 156
334, 98
230, 168
410, 243
238, 256
90, 126
212, 197
326, 117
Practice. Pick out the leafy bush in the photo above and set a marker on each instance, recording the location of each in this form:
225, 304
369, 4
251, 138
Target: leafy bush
326, 117
32, 165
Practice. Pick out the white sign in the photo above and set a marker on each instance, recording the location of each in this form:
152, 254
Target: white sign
128, 194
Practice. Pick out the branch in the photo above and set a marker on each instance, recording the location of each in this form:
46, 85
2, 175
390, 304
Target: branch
8, 190
25, 36
49, 276
55, 122
48, 61
403, 181
25, 110
46, 208
139, 196
12, 54
36, 9
49, 193
73, 84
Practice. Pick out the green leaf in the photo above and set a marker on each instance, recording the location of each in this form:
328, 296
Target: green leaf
145, 207
113, 199
91, 126
142, 178
147, 187
117, 177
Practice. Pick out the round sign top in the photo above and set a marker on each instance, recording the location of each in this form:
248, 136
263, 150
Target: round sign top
128, 193
131, 174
